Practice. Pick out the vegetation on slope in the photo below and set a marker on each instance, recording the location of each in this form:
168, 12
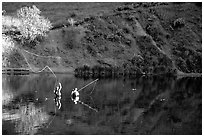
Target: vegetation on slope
128, 38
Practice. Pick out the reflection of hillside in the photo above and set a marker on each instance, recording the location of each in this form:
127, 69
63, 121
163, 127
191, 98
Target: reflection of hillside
152, 109
7, 95
157, 105
181, 111
14, 82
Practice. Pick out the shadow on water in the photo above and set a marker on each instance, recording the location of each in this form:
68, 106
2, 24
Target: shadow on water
145, 105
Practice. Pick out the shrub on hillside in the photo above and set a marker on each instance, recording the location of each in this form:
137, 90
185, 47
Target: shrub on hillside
27, 27
178, 23
7, 48
10, 24
32, 24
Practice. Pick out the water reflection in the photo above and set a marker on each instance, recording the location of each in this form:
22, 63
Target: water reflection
146, 105
30, 119
7, 95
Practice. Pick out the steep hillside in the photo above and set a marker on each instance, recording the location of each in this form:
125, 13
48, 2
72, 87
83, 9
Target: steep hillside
144, 38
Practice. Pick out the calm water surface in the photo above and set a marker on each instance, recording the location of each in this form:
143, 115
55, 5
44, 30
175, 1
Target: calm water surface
145, 105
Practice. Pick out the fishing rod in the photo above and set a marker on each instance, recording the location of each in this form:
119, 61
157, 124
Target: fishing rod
87, 106
87, 85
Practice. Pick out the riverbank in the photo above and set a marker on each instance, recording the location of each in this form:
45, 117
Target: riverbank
29, 71
90, 74
125, 39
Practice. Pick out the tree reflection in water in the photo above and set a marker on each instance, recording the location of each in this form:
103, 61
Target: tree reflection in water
18, 110
27, 119
7, 95
159, 105
30, 120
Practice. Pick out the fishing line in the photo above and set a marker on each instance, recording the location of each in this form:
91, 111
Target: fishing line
40, 55
93, 88
52, 118
57, 87
92, 101
39, 70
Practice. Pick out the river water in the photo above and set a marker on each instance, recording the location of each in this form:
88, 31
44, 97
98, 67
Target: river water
144, 105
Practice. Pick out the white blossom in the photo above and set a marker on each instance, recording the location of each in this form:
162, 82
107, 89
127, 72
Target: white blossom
32, 24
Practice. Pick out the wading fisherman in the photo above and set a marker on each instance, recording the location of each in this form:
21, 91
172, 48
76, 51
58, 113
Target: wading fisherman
57, 92
75, 96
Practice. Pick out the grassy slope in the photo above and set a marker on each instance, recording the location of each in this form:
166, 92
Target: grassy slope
129, 36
